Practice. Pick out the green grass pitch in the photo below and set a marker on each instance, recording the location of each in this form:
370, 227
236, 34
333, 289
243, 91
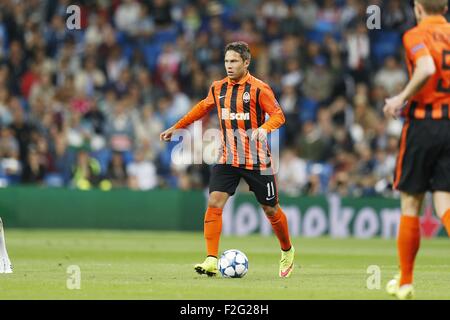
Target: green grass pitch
159, 265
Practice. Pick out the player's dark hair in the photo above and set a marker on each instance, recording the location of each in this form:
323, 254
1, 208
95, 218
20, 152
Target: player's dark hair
434, 6
240, 47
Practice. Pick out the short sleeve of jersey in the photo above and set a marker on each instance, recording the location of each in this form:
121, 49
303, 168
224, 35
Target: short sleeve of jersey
415, 46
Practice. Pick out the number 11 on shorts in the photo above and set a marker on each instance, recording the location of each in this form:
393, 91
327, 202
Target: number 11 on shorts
270, 190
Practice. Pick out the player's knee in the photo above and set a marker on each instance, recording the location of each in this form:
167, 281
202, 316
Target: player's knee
411, 208
269, 211
411, 204
215, 201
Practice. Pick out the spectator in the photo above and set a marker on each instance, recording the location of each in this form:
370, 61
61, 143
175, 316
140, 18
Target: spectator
120, 130
34, 171
399, 16
291, 24
342, 112
77, 131
319, 80
115, 64
90, 78
328, 17
95, 119
365, 116
63, 159
127, 15
17, 64
162, 12
168, 63
293, 75
148, 128
292, 175
5, 113
180, 103
117, 173
9, 146
86, 173
307, 11
310, 145
42, 89
141, 173
290, 101
21, 128
391, 77
275, 9
358, 52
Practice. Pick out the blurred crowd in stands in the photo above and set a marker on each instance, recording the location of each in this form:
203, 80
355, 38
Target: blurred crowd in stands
84, 108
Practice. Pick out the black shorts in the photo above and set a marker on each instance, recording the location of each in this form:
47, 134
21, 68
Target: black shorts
225, 178
423, 161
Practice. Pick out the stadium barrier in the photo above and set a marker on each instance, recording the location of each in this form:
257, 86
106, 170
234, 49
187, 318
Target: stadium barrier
31, 207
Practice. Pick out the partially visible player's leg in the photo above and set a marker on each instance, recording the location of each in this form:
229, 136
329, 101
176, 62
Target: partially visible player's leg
441, 201
5, 263
265, 189
280, 227
213, 221
212, 230
441, 178
279, 224
414, 168
408, 240
224, 181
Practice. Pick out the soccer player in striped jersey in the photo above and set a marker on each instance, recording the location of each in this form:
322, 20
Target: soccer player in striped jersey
423, 162
242, 102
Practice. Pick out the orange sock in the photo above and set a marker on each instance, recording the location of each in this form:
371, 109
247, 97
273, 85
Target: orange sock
212, 230
280, 228
408, 243
446, 221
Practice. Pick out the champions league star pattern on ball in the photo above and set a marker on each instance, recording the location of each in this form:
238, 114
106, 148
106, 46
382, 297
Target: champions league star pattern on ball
233, 264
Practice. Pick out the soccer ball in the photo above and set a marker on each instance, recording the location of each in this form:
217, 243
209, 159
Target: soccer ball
233, 264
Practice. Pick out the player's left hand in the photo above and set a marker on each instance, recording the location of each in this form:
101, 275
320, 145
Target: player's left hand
259, 134
393, 106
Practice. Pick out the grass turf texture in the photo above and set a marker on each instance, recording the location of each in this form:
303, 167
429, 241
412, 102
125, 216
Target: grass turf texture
159, 265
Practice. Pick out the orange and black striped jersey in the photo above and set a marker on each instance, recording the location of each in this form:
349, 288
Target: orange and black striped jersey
430, 38
241, 107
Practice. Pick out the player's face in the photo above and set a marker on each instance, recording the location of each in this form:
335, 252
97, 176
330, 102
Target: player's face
235, 67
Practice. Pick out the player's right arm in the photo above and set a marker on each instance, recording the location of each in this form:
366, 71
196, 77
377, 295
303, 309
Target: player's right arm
423, 70
423, 66
197, 112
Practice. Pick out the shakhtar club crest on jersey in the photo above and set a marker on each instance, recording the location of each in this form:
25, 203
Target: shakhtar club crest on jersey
246, 97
